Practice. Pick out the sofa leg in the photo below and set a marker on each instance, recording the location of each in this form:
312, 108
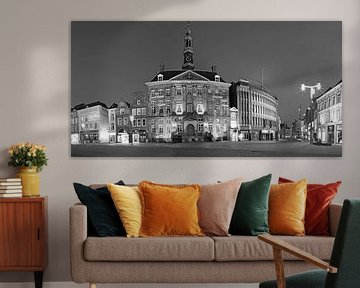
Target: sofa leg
92, 285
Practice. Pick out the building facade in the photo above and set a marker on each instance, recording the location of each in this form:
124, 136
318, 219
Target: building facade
75, 125
187, 105
258, 117
138, 118
112, 111
329, 115
123, 123
94, 123
285, 131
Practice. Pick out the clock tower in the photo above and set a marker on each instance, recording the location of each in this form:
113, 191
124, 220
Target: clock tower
188, 50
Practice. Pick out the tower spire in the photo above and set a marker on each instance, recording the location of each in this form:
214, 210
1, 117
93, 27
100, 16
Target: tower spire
188, 27
188, 63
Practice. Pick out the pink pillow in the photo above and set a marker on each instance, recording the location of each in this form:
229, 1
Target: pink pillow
216, 206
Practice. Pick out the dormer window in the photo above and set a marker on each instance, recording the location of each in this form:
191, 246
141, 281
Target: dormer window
138, 102
160, 77
217, 78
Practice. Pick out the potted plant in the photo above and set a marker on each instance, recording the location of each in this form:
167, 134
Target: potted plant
30, 158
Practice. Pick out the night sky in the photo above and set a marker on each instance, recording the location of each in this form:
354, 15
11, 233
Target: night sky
111, 60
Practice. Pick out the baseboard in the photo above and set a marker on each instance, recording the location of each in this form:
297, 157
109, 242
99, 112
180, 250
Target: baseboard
74, 285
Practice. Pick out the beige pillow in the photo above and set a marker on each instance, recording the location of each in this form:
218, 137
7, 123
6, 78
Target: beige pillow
216, 206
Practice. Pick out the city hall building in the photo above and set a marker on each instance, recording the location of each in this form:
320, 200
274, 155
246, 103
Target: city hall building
257, 109
188, 105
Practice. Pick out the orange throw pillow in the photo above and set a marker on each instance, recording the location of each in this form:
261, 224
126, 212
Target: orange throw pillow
287, 204
169, 210
319, 197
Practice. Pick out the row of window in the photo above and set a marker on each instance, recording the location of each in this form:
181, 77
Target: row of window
180, 128
256, 97
91, 117
329, 101
188, 91
257, 121
140, 122
89, 126
138, 111
264, 111
330, 116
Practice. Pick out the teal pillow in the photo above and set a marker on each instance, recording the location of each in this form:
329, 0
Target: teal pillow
250, 216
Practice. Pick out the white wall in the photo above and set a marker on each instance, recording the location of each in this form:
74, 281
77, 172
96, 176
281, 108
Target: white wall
35, 101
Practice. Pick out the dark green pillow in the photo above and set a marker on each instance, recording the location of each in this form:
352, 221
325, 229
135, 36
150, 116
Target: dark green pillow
103, 218
250, 216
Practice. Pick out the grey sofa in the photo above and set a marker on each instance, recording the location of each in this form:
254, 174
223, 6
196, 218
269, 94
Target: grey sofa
234, 259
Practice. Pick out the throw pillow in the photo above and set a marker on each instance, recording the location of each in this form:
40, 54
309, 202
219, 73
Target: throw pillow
287, 204
127, 201
319, 197
250, 215
102, 215
169, 210
216, 206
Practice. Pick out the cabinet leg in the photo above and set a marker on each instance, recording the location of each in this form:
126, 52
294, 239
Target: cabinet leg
38, 279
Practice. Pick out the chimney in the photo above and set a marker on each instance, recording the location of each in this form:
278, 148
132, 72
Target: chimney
162, 67
213, 68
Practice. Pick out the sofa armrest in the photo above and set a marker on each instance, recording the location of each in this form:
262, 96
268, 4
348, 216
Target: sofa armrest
334, 217
78, 235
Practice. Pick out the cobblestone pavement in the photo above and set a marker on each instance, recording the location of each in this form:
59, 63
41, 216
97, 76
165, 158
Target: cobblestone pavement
208, 149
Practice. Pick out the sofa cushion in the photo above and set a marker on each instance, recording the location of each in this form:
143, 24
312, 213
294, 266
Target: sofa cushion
149, 249
102, 216
287, 204
216, 205
127, 201
318, 199
250, 215
243, 248
169, 210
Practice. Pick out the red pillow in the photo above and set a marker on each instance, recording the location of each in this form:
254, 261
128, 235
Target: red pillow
319, 197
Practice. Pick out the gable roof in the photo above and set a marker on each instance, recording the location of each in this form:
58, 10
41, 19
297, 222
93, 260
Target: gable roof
78, 106
92, 105
169, 74
331, 87
114, 105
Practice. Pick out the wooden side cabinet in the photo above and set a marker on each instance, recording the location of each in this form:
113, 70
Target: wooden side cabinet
23, 235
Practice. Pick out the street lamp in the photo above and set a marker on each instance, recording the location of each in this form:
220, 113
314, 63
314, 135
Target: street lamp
312, 93
312, 89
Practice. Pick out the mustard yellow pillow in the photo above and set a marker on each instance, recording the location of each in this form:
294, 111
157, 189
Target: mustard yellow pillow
127, 201
287, 204
169, 210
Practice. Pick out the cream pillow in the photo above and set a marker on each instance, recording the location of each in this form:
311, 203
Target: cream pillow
127, 201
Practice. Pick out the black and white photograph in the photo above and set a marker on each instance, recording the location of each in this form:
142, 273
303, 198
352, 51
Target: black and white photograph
206, 89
